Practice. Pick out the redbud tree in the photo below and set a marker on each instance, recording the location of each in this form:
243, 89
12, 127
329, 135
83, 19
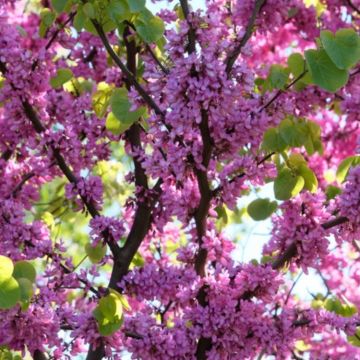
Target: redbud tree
132, 133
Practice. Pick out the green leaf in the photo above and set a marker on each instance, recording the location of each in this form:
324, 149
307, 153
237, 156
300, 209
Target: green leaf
343, 48
293, 133
47, 16
6, 268
118, 11
150, 29
221, 214
333, 305
61, 77
266, 259
114, 125
89, 10
122, 299
278, 76
26, 289
111, 307
179, 12
136, 5
9, 293
272, 141
296, 160
261, 209
344, 309
24, 269
108, 328
121, 106
137, 261
297, 66
107, 25
48, 219
78, 86
324, 72
344, 167
313, 138
95, 253
287, 184
107, 307
355, 339
101, 98
109, 313
332, 191
79, 19
311, 182
58, 5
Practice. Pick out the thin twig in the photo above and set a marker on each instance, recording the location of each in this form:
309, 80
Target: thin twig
239, 176
278, 94
24, 179
292, 287
150, 50
57, 31
165, 70
291, 251
231, 58
328, 290
350, 3
129, 75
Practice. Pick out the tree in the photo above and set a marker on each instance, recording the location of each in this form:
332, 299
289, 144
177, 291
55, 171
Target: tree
127, 139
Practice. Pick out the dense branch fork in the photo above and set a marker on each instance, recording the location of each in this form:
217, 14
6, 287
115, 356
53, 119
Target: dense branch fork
142, 218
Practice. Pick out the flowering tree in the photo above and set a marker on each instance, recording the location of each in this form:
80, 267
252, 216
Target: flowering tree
127, 139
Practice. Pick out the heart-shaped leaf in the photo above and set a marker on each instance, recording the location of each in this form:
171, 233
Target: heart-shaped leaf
343, 48
287, 184
324, 72
9, 293
261, 209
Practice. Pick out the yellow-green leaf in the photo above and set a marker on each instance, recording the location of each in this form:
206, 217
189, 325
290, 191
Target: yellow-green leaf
61, 77
287, 184
95, 253
6, 268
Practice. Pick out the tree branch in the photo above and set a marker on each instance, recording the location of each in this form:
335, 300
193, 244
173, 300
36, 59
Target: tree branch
332, 223
164, 69
6, 155
291, 251
352, 6
38, 355
233, 55
39, 128
23, 181
129, 75
191, 46
205, 192
204, 344
142, 219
